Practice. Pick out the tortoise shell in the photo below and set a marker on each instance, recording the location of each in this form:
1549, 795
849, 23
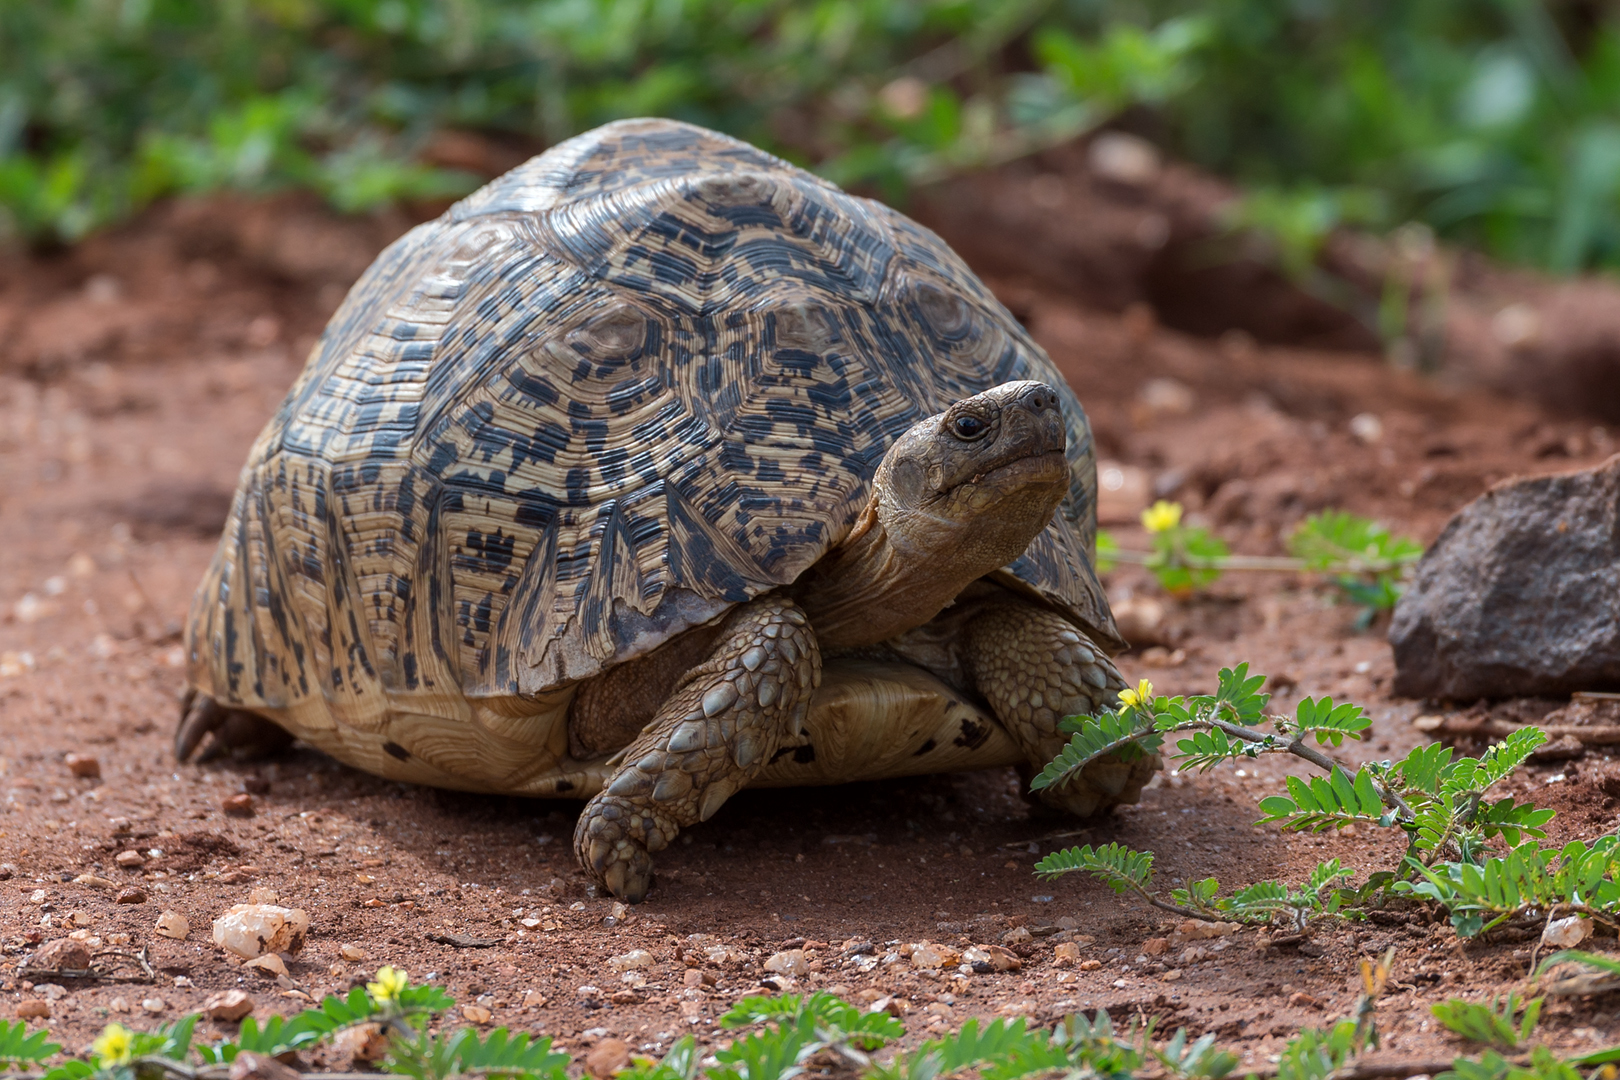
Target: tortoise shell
642, 378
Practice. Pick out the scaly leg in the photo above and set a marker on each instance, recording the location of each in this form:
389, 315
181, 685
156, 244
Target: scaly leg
235, 732
713, 734
1035, 668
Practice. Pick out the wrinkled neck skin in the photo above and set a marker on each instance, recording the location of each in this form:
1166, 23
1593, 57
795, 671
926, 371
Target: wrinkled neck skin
902, 565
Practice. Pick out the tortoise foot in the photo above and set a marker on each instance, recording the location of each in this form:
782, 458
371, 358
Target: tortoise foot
1035, 668
220, 731
615, 840
714, 733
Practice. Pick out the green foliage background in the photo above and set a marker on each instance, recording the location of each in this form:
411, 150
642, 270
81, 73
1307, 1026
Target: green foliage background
1495, 121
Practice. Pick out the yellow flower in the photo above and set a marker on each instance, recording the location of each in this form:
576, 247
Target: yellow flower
390, 981
114, 1046
1162, 516
1139, 698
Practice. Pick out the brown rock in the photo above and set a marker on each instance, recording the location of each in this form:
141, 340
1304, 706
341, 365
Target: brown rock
130, 896
1090, 965
83, 766
63, 954
250, 1066
476, 1014
1304, 1001
239, 806
363, 1042
33, 1009
228, 1006
1156, 946
1065, 953
607, 1057
268, 964
130, 860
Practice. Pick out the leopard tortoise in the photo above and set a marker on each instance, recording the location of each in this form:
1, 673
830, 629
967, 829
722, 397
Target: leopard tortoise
654, 469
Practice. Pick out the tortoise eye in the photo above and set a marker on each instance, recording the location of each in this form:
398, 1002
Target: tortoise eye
968, 427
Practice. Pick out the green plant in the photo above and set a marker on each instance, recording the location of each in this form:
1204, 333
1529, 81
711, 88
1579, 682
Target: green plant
1440, 805
1490, 1022
1365, 562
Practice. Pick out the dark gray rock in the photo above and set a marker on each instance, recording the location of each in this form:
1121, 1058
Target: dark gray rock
1520, 594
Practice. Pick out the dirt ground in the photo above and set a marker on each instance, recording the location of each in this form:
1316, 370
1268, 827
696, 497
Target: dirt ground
136, 369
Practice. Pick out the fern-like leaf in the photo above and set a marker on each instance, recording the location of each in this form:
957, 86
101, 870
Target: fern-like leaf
1119, 867
1470, 775
1327, 803
1098, 736
1330, 723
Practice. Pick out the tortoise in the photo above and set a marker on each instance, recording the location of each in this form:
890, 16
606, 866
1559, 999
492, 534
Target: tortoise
657, 468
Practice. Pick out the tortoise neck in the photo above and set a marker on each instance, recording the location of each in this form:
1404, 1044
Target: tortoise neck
868, 589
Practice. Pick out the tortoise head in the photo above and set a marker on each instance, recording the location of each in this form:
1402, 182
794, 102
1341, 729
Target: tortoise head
975, 484
956, 497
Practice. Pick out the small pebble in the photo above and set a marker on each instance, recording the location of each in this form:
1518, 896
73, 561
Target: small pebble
33, 1009
789, 962
130, 896
1017, 935
1157, 946
1304, 1001
607, 1057
132, 859
118, 1005
634, 959
353, 952
1171, 976
1090, 965
228, 1006
83, 766
1065, 953
172, 924
63, 954
476, 1014
268, 964
154, 1005
238, 806
51, 991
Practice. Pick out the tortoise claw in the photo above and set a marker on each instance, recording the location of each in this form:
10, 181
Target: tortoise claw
219, 731
615, 841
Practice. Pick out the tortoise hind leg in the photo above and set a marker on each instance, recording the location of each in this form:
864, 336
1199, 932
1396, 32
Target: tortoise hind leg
715, 732
1035, 668
235, 732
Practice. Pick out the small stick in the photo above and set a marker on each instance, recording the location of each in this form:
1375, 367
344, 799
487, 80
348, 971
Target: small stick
1596, 735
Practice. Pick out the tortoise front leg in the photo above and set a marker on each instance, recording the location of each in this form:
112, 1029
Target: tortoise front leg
1035, 668
714, 733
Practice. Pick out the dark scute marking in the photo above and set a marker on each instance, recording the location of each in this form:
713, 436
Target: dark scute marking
973, 735
924, 748
396, 750
804, 755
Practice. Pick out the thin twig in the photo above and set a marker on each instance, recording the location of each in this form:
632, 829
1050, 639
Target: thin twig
1374, 1070
1596, 735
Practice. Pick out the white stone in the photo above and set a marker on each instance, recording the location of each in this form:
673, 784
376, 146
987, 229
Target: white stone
252, 930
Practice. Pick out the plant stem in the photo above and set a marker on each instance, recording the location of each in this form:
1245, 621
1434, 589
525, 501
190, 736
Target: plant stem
1299, 748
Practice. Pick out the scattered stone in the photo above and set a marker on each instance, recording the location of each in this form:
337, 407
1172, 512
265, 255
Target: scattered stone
1303, 1000
1156, 946
1173, 975
1018, 935
263, 894
929, 955
607, 1057
534, 999
249, 1066
268, 964
51, 991
95, 881
252, 930
83, 766
118, 1005
1090, 965
1311, 949
353, 953
634, 959
461, 941
239, 806
153, 1005
476, 1014
228, 1006
777, 983
627, 996
172, 924
130, 860
1566, 933
79, 918
63, 954
1065, 953
1475, 621
130, 895
363, 1042
33, 1009
789, 962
